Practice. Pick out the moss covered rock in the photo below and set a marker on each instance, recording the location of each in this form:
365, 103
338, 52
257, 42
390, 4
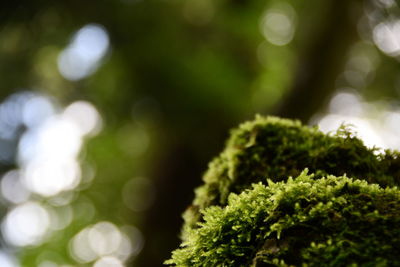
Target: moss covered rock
274, 148
250, 213
332, 221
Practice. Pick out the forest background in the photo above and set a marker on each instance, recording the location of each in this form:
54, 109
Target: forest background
111, 110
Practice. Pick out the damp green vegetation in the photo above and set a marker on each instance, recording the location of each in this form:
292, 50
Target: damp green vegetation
251, 212
331, 221
274, 148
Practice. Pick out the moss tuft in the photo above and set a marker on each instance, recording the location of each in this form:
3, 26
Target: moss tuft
250, 212
331, 221
274, 148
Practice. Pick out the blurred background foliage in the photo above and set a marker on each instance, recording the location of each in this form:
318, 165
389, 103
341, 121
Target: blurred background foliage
110, 110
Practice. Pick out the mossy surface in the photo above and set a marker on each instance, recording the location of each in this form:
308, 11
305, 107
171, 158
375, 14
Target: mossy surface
332, 221
250, 212
274, 148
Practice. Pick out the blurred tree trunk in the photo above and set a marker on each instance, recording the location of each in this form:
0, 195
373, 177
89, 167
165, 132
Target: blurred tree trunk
322, 60
176, 173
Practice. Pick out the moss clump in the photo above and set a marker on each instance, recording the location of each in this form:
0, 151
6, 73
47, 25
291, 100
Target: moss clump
249, 213
332, 221
274, 148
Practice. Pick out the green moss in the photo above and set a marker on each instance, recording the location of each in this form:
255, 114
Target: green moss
274, 148
332, 221
249, 213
